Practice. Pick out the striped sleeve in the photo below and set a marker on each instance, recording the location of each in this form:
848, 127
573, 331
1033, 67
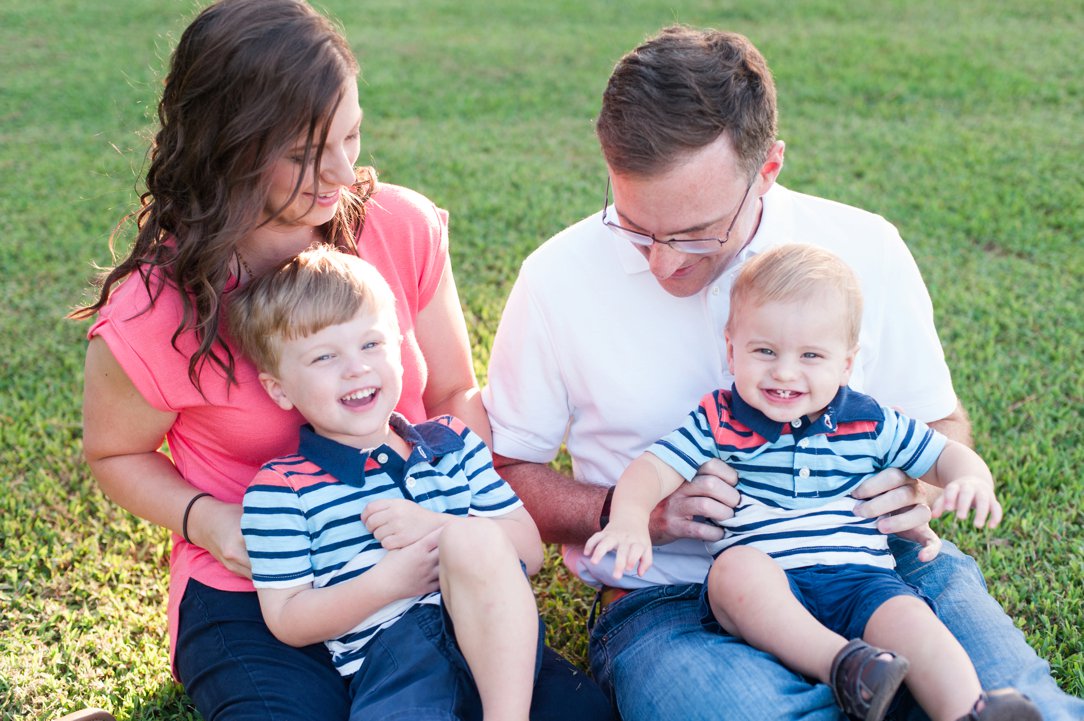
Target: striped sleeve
276, 533
490, 495
689, 446
909, 444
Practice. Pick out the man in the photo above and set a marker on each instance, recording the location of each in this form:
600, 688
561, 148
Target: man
615, 328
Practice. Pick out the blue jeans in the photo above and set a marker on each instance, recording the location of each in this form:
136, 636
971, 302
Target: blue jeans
651, 653
234, 669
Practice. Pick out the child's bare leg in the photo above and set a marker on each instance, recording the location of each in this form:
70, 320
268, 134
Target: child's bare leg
941, 676
493, 609
751, 598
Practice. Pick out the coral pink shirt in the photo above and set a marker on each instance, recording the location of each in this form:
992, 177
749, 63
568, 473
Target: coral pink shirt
218, 443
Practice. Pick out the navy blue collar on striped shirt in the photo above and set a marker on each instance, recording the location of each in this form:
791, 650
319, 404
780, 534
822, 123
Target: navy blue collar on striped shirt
848, 406
429, 441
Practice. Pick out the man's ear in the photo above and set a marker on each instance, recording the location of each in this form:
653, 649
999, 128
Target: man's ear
274, 389
773, 165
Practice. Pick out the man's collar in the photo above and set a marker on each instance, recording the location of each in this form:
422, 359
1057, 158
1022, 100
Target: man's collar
848, 406
428, 441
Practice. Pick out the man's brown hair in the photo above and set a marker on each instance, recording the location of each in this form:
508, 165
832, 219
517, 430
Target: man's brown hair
678, 92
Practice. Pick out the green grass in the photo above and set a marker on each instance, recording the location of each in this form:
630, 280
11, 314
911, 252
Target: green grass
963, 123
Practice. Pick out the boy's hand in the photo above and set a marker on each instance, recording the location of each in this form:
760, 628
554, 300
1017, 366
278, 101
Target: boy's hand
632, 546
967, 493
413, 568
397, 522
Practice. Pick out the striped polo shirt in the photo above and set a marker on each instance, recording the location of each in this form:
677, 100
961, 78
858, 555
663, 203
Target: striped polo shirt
796, 478
302, 513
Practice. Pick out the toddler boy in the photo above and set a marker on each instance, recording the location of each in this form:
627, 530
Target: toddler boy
798, 574
397, 545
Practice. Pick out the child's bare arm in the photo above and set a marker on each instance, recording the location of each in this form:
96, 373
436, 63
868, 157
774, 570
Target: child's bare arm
302, 615
644, 483
968, 486
522, 531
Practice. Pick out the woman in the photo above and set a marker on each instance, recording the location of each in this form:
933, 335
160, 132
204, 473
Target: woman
253, 161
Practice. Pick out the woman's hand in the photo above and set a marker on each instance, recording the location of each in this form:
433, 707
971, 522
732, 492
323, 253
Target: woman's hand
216, 526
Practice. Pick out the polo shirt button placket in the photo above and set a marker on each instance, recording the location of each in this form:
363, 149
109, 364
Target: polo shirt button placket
382, 458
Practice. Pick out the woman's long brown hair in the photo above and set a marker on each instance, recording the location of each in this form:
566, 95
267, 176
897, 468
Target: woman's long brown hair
247, 78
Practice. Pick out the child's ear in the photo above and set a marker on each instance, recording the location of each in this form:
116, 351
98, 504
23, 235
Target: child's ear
274, 389
848, 366
729, 350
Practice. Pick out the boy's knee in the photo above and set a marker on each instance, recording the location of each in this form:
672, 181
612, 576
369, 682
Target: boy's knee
473, 543
733, 569
737, 560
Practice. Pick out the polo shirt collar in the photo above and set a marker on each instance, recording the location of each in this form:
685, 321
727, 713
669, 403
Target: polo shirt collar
428, 441
848, 406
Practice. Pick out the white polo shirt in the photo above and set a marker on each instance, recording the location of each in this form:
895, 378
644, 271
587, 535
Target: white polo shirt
591, 352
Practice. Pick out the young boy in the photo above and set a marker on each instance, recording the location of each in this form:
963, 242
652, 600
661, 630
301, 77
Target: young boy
397, 545
798, 574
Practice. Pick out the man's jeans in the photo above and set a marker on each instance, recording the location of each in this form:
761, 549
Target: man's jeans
650, 652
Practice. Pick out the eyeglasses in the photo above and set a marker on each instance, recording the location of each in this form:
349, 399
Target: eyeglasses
694, 246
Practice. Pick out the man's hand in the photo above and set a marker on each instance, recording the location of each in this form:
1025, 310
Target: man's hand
711, 494
397, 522
900, 503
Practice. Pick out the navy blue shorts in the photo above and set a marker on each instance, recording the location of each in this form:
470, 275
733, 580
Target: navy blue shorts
415, 670
842, 598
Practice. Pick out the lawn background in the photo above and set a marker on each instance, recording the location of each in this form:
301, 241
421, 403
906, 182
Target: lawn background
963, 123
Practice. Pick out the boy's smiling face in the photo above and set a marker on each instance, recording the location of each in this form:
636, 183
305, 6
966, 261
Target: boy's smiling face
345, 379
790, 358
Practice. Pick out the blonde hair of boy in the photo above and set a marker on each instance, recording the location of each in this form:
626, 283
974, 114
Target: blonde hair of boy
797, 272
320, 287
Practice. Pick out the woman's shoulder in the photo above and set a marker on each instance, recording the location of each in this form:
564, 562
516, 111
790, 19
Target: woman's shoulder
406, 236
143, 303
404, 208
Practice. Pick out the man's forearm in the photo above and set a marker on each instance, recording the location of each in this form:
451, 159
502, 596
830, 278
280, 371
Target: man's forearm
955, 425
564, 509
